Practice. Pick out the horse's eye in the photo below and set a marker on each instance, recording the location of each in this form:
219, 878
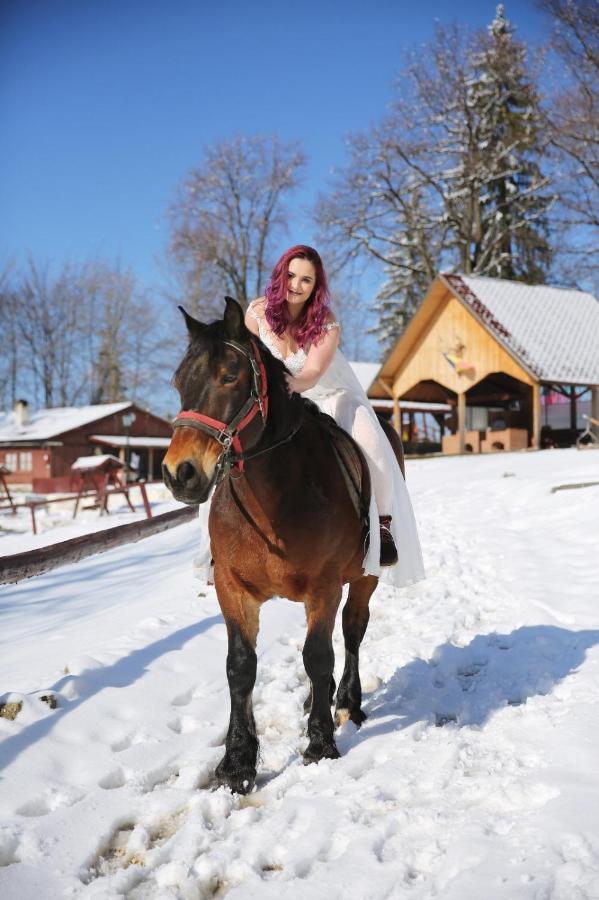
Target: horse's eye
229, 379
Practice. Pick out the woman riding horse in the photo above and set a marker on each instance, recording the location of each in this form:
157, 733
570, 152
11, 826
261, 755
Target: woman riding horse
281, 518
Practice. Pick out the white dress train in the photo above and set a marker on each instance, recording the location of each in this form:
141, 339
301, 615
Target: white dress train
340, 394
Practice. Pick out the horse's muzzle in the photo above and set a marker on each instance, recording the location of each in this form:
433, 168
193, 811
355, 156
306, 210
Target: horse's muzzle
188, 485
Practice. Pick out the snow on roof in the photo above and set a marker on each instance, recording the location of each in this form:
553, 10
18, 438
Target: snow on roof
94, 462
122, 440
553, 332
414, 405
48, 423
365, 372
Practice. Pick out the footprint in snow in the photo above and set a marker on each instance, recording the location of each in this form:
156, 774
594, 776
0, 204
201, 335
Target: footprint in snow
184, 724
47, 803
113, 780
183, 699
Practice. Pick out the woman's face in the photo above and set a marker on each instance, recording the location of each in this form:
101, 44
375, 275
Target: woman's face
301, 279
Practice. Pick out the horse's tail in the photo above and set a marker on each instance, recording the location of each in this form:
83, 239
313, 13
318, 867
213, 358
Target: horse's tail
395, 441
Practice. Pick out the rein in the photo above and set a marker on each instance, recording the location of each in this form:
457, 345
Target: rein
228, 434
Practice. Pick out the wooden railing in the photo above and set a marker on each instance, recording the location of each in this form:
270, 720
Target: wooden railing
44, 559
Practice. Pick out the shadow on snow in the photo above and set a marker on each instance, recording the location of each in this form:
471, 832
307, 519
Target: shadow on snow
122, 673
467, 685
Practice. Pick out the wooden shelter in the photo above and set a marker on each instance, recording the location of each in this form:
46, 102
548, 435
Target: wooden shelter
489, 348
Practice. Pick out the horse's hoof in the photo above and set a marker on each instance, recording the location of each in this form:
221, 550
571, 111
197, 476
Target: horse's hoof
315, 752
345, 715
240, 780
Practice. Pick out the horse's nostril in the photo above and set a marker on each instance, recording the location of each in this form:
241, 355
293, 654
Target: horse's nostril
166, 476
186, 473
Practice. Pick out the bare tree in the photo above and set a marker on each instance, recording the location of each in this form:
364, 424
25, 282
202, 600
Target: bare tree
572, 122
227, 214
47, 311
451, 178
87, 334
9, 358
120, 327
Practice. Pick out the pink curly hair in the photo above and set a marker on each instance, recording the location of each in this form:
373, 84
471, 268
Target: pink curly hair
309, 325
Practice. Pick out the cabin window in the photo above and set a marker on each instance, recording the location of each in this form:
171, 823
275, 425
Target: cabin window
10, 460
25, 462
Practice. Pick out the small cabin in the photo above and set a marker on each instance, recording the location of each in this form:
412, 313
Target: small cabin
517, 365
39, 448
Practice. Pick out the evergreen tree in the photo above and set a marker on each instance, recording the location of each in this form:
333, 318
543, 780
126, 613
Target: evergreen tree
451, 180
513, 205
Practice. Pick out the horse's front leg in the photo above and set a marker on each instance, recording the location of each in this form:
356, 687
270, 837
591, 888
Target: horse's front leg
237, 768
319, 661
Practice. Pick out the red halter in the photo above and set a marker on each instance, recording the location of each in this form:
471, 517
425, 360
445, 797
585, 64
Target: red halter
228, 435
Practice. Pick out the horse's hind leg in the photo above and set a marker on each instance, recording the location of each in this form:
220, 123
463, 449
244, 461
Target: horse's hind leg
319, 661
355, 620
237, 768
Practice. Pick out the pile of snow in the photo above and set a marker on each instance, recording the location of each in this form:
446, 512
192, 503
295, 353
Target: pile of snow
474, 775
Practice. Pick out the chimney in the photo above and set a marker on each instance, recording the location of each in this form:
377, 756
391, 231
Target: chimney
21, 413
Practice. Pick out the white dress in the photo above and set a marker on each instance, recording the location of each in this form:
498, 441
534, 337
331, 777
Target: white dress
340, 394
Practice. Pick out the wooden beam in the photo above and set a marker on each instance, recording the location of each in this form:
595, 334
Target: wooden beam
595, 407
462, 422
35, 562
536, 416
397, 415
386, 386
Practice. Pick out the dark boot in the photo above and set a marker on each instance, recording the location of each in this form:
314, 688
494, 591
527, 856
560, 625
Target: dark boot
388, 549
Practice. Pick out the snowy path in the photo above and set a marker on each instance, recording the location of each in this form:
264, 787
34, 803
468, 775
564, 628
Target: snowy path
474, 776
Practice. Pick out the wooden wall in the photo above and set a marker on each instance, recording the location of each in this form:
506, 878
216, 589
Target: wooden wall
454, 329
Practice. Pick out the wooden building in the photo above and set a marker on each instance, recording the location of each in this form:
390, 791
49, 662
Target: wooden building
490, 349
39, 448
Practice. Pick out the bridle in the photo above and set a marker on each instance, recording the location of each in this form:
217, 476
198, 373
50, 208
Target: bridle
228, 434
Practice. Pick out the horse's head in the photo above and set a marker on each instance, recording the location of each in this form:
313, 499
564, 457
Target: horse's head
215, 379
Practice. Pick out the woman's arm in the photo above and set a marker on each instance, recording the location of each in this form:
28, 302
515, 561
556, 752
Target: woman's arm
320, 356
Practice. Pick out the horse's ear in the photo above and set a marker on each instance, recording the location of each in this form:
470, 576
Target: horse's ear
194, 327
234, 319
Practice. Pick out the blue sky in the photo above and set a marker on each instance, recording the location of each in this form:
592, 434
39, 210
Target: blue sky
106, 104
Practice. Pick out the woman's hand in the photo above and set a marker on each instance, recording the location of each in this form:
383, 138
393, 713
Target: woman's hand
294, 385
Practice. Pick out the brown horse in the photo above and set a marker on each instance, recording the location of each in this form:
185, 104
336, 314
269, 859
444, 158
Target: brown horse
282, 523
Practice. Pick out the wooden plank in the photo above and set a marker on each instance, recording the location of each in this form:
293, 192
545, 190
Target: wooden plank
574, 487
35, 562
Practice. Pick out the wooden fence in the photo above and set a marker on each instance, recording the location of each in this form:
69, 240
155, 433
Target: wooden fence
36, 562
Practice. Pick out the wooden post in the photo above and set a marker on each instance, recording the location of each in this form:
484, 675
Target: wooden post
573, 407
462, 422
150, 463
33, 526
536, 415
595, 407
396, 415
144, 498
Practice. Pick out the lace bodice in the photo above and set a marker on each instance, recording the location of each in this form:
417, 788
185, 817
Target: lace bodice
296, 360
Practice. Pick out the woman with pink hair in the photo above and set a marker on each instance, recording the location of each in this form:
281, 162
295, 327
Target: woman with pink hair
294, 320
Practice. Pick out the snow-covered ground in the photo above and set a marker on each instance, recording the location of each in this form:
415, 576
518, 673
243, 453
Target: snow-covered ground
475, 775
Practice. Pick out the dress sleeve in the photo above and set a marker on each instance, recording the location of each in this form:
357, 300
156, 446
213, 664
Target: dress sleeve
330, 325
252, 311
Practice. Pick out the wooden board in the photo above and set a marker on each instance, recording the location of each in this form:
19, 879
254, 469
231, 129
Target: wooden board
35, 562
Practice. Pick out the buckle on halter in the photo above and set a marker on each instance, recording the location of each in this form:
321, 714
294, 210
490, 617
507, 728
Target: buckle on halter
225, 438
